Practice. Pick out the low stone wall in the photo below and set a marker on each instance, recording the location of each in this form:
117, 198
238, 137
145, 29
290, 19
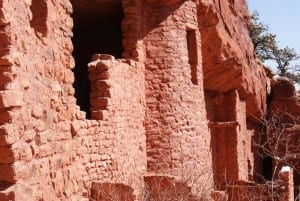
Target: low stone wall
282, 189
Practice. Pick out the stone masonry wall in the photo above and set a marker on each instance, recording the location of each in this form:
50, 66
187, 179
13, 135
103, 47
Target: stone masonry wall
244, 153
53, 151
230, 64
280, 189
178, 141
10, 101
123, 119
227, 124
41, 75
152, 111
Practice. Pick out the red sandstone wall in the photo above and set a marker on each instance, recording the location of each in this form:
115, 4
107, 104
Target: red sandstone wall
155, 119
42, 80
231, 144
228, 58
229, 63
10, 100
53, 151
281, 189
178, 140
244, 142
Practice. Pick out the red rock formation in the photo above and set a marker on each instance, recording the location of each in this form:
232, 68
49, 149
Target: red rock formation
227, 52
173, 89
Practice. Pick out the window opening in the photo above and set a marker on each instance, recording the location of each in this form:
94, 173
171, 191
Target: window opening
192, 54
39, 12
267, 168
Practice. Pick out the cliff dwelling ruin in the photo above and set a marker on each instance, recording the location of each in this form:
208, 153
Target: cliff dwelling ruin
141, 100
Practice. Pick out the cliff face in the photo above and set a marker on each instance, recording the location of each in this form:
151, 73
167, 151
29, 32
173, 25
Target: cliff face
164, 92
230, 67
227, 51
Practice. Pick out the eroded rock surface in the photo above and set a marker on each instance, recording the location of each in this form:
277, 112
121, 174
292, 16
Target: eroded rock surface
102, 96
227, 52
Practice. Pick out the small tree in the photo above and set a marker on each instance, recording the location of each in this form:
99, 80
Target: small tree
263, 41
279, 141
266, 48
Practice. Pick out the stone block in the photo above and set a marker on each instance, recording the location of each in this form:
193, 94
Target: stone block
11, 98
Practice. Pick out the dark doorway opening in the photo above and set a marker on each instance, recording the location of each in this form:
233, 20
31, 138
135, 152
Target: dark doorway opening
97, 30
267, 168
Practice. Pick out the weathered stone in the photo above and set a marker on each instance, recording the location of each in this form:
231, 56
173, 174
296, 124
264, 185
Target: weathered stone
11, 98
282, 88
97, 95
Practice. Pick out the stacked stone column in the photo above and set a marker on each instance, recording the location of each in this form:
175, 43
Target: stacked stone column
100, 86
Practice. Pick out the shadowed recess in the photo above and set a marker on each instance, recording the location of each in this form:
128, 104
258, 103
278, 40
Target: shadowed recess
97, 29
